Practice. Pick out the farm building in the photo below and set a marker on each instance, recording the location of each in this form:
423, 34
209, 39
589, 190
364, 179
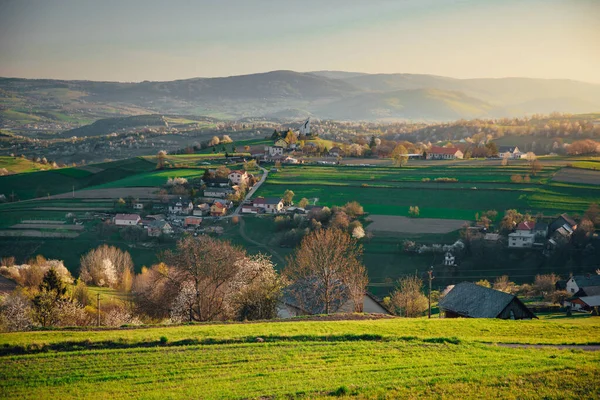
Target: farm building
271, 205
444, 153
469, 300
249, 209
585, 303
273, 151
218, 182
336, 151
127, 219
281, 143
287, 308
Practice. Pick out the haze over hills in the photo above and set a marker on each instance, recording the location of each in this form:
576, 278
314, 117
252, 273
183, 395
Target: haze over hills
288, 94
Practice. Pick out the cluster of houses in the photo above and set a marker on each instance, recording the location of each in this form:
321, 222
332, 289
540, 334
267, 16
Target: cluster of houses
529, 234
585, 291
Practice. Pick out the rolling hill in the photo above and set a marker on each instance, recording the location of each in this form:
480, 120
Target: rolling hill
287, 94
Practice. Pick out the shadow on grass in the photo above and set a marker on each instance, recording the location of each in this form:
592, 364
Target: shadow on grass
82, 345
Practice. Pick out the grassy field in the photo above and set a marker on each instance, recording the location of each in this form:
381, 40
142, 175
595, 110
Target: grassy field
18, 165
397, 358
391, 191
39, 184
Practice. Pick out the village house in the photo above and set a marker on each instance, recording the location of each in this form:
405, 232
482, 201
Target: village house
218, 182
181, 206
201, 210
160, 227
239, 177
449, 259
584, 285
127, 219
218, 192
137, 205
509, 152
273, 151
336, 152
218, 209
564, 221
281, 143
523, 236
444, 153
192, 221
469, 300
271, 205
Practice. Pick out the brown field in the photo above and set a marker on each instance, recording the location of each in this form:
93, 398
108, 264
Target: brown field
397, 224
575, 175
48, 226
36, 233
110, 193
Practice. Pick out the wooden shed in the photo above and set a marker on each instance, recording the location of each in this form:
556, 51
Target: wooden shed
469, 300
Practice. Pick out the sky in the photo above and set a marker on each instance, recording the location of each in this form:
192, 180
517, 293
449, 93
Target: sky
136, 40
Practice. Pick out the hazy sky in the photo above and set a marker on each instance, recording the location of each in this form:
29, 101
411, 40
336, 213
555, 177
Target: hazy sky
134, 40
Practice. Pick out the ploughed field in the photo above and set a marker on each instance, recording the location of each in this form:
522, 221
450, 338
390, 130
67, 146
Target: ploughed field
397, 358
392, 190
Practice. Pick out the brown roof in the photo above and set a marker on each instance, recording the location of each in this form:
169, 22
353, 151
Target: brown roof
526, 226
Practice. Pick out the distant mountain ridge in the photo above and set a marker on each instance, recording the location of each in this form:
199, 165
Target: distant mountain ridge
322, 94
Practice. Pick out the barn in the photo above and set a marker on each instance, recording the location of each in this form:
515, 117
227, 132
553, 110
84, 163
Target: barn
469, 300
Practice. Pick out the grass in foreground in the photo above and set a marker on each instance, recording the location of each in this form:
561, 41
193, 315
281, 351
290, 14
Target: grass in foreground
370, 359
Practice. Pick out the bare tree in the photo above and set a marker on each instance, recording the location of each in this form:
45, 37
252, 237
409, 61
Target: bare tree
326, 271
209, 264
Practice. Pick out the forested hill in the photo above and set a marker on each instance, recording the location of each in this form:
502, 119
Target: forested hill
324, 94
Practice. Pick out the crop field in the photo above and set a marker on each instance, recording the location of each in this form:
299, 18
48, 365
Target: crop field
574, 175
40, 184
394, 223
391, 191
395, 358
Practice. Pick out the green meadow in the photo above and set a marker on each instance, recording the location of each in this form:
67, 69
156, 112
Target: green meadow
391, 191
390, 358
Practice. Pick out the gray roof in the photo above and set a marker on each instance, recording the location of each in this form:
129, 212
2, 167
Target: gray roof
540, 226
587, 280
504, 149
592, 301
471, 300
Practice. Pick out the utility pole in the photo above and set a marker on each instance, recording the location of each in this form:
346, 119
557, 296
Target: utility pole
98, 307
430, 274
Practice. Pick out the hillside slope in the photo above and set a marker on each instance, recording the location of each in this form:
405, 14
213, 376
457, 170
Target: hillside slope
397, 358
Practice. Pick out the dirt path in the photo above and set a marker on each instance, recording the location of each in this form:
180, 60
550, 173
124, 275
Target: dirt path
585, 347
264, 246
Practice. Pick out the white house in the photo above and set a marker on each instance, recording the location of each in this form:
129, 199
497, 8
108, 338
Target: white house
273, 151
271, 205
138, 206
509, 152
181, 206
523, 236
444, 153
449, 259
127, 219
238, 177
590, 284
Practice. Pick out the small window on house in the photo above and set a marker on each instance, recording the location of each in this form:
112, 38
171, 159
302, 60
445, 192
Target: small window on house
572, 290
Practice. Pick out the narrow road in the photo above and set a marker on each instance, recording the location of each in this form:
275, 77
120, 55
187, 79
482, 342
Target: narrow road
251, 192
264, 246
